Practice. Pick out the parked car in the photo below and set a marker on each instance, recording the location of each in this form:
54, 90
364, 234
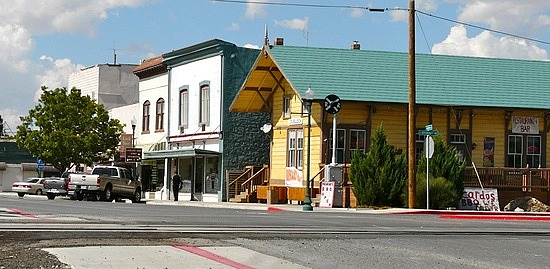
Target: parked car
105, 183
33, 185
55, 186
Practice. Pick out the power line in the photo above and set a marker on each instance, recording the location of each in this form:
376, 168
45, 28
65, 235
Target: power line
382, 10
483, 28
302, 5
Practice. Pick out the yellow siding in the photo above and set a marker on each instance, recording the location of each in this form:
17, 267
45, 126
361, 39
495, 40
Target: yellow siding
489, 124
394, 120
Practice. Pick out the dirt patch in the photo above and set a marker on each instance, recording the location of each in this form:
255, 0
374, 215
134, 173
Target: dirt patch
24, 250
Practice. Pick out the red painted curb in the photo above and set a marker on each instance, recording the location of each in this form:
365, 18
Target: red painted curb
497, 217
472, 213
24, 214
274, 208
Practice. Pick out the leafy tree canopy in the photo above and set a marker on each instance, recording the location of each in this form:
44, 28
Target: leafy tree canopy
67, 128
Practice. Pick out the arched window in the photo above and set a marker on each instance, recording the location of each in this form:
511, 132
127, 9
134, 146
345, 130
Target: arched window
184, 107
159, 122
146, 116
204, 111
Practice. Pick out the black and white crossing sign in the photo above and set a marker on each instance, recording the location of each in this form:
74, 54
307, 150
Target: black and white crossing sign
332, 104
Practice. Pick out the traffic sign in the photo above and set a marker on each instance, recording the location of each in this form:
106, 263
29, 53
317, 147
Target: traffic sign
133, 155
332, 104
429, 147
428, 127
40, 164
430, 133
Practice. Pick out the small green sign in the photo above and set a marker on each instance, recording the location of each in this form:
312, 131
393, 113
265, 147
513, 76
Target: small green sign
430, 133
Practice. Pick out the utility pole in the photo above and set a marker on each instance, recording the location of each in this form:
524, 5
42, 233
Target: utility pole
412, 109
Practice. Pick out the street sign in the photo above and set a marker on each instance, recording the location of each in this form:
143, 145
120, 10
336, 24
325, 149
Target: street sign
332, 104
429, 147
40, 164
428, 127
133, 155
430, 133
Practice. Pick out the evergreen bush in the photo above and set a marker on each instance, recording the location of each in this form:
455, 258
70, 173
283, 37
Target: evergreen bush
380, 175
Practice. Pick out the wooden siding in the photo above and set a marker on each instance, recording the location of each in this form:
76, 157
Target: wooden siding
394, 121
489, 123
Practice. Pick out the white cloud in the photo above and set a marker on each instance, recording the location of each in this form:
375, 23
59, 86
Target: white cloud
251, 46
357, 12
15, 42
487, 44
295, 24
60, 15
55, 73
518, 17
12, 119
402, 15
254, 10
20, 22
234, 26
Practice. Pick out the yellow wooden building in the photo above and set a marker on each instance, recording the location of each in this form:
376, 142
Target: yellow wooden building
494, 111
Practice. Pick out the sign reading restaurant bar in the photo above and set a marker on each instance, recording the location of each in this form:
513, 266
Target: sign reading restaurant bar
525, 125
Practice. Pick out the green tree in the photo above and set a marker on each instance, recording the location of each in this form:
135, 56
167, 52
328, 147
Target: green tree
445, 163
379, 176
67, 128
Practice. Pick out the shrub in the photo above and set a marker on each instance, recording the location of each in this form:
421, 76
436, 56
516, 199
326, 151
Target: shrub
441, 193
378, 176
445, 163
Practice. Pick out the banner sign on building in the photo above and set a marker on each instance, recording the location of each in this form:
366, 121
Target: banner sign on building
125, 142
293, 177
479, 199
525, 125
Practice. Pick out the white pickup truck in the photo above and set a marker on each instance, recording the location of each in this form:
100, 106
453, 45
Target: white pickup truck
105, 183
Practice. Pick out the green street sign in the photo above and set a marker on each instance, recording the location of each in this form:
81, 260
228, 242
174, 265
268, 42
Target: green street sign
426, 133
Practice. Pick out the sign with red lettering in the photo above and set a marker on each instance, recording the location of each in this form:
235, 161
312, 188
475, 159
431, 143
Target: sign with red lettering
327, 194
525, 125
479, 199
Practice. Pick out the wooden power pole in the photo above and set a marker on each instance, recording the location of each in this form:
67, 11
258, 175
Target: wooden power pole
412, 111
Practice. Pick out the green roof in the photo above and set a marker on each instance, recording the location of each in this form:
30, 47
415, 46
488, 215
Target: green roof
376, 76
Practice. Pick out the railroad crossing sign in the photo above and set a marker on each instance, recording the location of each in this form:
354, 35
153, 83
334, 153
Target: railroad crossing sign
332, 104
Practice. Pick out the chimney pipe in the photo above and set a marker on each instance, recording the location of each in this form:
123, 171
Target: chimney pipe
279, 41
355, 45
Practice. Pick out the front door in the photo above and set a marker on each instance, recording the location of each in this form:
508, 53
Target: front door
199, 177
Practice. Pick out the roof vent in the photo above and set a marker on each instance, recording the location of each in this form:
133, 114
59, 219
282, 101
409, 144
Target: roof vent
355, 45
279, 41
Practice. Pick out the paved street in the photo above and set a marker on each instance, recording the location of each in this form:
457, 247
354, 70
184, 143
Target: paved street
164, 234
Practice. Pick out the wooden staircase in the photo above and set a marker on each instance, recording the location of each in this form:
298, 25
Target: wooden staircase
242, 187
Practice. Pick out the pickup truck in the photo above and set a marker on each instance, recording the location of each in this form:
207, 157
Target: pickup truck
55, 186
105, 183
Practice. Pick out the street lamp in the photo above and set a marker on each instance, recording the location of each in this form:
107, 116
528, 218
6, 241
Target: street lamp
133, 122
308, 99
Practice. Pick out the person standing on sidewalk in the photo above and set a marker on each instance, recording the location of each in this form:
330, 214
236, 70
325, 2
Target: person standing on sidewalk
176, 184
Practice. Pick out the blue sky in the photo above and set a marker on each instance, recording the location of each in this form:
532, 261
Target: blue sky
42, 42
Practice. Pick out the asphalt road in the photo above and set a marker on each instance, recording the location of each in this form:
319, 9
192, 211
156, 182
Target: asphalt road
327, 239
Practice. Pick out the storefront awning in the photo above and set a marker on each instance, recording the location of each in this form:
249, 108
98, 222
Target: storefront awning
178, 153
34, 166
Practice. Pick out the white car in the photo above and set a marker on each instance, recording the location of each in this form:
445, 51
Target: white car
33, 185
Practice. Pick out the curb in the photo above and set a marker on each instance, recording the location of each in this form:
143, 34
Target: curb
497, 217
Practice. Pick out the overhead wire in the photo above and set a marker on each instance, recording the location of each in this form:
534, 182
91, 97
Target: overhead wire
382, 10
